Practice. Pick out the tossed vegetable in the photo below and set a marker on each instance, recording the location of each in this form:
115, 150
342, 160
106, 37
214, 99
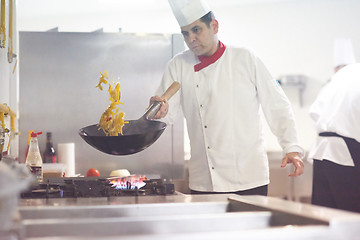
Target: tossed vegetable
112, 120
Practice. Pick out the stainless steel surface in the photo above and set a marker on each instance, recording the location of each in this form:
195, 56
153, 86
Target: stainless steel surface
147, 225
110, 211
61, 70
182, 216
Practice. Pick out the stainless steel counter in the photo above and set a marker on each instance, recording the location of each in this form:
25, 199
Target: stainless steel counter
180, 216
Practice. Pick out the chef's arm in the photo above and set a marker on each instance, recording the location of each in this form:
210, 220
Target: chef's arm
295, 159
280, 117
169, 109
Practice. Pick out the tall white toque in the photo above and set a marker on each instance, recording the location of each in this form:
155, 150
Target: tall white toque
343, 52
188, 11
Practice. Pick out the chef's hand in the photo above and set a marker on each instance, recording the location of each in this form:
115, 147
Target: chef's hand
295, 159
163, 109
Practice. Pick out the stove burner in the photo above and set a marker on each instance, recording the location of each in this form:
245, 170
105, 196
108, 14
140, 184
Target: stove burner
95, 187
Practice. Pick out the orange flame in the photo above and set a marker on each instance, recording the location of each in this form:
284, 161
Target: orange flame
129, 182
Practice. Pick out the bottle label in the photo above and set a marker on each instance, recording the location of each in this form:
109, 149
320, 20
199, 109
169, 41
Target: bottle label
50, 159
37, 171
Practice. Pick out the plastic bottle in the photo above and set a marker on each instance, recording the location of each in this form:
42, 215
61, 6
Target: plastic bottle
49, 153
33, 158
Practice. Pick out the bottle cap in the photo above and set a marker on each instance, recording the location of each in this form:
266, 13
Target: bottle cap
34, 134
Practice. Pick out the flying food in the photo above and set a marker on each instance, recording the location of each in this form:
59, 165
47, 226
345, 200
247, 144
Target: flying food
112, 119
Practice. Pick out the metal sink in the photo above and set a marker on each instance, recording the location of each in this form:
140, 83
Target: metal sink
119, 226
115, 220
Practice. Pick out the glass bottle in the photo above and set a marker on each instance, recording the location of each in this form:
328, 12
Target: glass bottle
33, 158
49, 153
28, 142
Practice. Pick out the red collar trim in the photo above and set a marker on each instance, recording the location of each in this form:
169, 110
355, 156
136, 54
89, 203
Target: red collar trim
206, 61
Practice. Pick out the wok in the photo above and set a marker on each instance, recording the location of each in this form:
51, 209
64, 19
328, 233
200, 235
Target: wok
137, 134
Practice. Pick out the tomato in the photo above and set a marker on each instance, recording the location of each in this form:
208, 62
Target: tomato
93, 172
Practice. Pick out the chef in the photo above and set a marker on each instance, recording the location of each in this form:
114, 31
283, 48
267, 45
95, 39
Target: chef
222, 89
336, 152
343, 53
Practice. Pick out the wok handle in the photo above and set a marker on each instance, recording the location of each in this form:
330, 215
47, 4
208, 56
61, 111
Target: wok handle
154, 108
171, 90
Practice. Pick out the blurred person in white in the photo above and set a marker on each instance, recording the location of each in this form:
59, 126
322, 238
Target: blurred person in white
336, 151
222, 90
343, 53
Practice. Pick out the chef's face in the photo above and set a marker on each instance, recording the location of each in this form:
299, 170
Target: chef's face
201, 38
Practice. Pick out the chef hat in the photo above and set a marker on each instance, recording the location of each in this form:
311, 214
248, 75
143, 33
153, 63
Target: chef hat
188, 11
343, 52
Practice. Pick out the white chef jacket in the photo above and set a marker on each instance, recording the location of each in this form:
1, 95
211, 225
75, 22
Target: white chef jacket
337, 109
221, 104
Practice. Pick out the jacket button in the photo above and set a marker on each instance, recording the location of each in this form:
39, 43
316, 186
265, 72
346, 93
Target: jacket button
212, 168
205, 126
208, 147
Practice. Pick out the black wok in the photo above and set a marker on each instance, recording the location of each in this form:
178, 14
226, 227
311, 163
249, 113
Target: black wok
137, 134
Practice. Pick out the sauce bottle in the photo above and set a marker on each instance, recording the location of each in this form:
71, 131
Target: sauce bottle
28, 143
49, 153
33, 159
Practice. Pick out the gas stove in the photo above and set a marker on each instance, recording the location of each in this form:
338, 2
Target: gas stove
74, 187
